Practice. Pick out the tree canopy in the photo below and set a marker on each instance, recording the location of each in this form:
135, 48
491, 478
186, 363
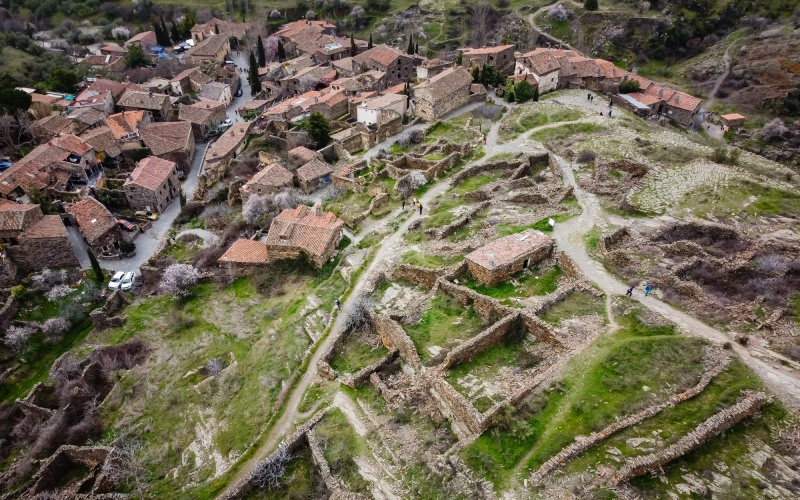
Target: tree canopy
318, 128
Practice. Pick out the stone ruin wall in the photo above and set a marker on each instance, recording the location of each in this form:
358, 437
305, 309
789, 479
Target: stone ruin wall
611, 240
465, 419
489, 309
714, 363
355, 380
463, 220
419, 275
394, 337
710, 428
472, 347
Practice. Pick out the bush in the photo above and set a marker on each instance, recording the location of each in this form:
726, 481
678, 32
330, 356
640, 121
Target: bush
774, 130
127, 247
586, 156
178, 279
59, 292
190, 211
17, 337
558, 12
629, 86
55, 328
18, 292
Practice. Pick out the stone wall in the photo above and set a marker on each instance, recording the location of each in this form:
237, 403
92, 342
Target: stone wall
510, 164
608, 241
489, 309
419, 275
541, 330
361, 376
465, 419
8, 311
715, 363
479, 343
498, 274
710, 428
35, 254
570, 268
394, 337
463, 220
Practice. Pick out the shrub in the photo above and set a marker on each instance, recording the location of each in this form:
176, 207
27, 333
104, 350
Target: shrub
127, 247
55, 328
17, 337
255, 208
586, 156
558, 12
774, 130
629, 86
190, 211
17, 292
217, 216
178, 279
47, 279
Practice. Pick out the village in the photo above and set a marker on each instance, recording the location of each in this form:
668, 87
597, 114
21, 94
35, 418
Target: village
359, 272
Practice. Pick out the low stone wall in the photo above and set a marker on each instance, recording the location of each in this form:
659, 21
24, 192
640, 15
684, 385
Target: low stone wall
510, 164
713, 426
243, 487
332, 483
580, 446
489, 309
541, 330
394, 337
463, 220
611, 240
361, 376
465, 419
443, 166
479, 343
419, 275
9, 310
562, 292
570, 268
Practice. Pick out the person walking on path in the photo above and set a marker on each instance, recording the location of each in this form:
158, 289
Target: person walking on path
404, 203
338, 305
420, 208
630, 292
484, 138
648, 289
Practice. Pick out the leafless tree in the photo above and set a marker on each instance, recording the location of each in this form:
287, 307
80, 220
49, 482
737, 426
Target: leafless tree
558, 12
410, 183
305, 84
214, 366
269, 473
14, 130
774, 130
358, 316
124, 466
178, 278
47, 279
480, 24
58, 292
287, 198
17, 337
256, 207
55, 328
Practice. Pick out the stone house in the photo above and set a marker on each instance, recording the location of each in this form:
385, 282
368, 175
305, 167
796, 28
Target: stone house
202, 115
46, 128
189, 80
443, 93
235, 31
732, 120
83, 119
398, 66
97, 225
682, 108
32, 240
244, 255
311, 78
126, 126
214, 48
42, 104
113, 49
145, 40
268, 180
158, 105
364, 82
229, 144
105, 63
102, 140
544, 67
300, 156
173, 141
377, 110
502, 258
102, 94
330, 103
216, 91
304, 231
501, 56
314, 175
432, 67
152, 185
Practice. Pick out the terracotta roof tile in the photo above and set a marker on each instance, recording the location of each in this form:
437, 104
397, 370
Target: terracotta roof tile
94, 220
18, 216
125, 123
314, 169
301, 227
381, 54
203, 112
506, 250
684, 101
446, 83
245, 251
273, 175
151, 173
102, 140
49, 226
165, 137
229, 141
488, 50
143, 100
303, 153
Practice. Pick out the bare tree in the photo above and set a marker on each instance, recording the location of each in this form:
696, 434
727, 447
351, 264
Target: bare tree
358, 316
178, 279
410, 183
55, 328
14, 130
269, 473
480, 24
256, 207
774, 130
214, 366
17, 337
124, 466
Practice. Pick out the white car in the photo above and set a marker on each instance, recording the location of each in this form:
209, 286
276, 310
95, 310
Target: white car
128, 281
116, 280
227, 123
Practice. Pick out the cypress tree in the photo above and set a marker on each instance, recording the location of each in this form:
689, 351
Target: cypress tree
98, 271
255, 83
281, 51
175, 33
590, 5
262, 55
216, 28
410, 49
353, 48
535, 94
370, 41
165, 31
476, 74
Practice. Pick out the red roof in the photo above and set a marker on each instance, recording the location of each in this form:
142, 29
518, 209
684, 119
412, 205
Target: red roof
94, 219
488, 50
506, 250
125, 123
272, 175
245, 251
301, 227
151, 173
49, 226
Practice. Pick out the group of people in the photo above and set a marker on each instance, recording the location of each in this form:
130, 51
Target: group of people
647, 289
417, 205
590, 98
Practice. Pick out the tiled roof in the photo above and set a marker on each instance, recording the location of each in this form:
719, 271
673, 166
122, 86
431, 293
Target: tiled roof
303, 153
381, 54
125, 123
213, 91
88, 116
396, 89
644, 83
506, 250
661, 91
345, 63
151, 173
733, 116
302, 227
446, 83
49, 226
290, 29
273, 175
184, 74
71, 143
97, 90
43, 98
229, 141
488, 50
245, 251
54, 124
18, 216
609, 69
146, 37
165, 137
202, 112
101, 59
113, 47
540, 63
581, 67
314, 169
383, 101
209, 47
306, 100
253, 104
102, 139
94, 220
646, 99
684, 101
143, 100
434, 63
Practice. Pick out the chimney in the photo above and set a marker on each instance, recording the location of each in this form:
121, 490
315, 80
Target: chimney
318, 210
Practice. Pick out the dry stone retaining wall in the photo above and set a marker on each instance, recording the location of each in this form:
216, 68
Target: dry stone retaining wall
713, 426
441, 232
362, 375
479, 343
394, 337
465, 419
489, 309
418, 275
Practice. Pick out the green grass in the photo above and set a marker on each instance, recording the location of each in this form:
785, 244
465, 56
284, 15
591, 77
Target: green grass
601, 384
533, 115
445, 323
565, 131
442, 212
431, 261
348, 205
543, 225
475, 182
341, 446
576, 304
593, 238
452, 130
531, 282
743, 197
353, 354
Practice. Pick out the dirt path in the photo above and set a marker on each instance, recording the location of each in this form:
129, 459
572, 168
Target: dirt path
545, 33
569, 236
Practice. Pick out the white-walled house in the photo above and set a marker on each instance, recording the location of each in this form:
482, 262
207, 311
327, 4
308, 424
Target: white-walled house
377, 110
543, 65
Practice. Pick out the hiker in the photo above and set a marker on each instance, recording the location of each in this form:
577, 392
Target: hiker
338, 305
484, 138
609, 112
648, 289
415, 201
588, 97
420, 208
610, 104
404, 203
630, 292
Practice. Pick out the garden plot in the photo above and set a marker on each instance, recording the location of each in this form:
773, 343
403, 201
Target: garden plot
535, 281
532, 115
357, 351
666, 188
575, 305
444, 324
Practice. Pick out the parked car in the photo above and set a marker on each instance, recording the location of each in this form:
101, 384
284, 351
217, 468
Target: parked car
227, 123
127, 225
146, 214
5, 165
230, 63
116, 280
181, 175
239, 92
127, 281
